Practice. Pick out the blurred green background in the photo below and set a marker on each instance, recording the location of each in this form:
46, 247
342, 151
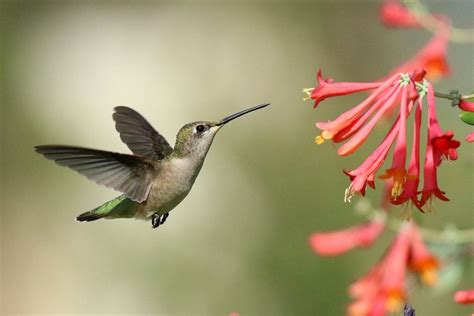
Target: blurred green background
238, 242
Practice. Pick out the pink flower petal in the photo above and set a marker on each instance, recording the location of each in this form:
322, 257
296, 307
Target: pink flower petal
337, 242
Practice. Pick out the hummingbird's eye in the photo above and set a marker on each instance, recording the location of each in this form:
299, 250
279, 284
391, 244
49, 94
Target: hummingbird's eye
200, 128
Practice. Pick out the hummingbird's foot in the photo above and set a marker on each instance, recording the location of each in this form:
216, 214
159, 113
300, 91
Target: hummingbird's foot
163, 218
155, 220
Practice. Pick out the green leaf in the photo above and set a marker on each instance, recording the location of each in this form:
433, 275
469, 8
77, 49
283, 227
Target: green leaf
467, 117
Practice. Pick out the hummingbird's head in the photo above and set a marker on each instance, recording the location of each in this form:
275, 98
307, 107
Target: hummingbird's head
195, 138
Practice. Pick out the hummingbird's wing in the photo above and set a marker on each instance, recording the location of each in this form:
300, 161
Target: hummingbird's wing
131, 175
142, 139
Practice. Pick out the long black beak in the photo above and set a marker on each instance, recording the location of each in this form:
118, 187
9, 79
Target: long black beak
229, 118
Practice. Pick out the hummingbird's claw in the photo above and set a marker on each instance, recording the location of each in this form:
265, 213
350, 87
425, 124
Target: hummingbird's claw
157, 219
163, 218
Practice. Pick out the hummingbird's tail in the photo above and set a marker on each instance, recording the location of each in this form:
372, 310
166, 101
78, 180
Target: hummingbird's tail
120, 207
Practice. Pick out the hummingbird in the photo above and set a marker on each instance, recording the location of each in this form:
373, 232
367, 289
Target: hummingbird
155, 179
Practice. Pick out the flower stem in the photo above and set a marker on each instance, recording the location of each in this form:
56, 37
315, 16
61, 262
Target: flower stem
433, 24
454, 96
448, 235
443, 95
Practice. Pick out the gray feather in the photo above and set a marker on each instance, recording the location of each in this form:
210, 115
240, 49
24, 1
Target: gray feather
142, 139
131, 175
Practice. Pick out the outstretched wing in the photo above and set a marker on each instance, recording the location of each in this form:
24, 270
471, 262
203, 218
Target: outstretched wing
142, 139
131, 175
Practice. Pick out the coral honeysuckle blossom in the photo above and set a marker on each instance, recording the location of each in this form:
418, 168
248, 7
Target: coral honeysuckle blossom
466, 106
470, 137
464, 297
383, 289
432, 58
439, 145
337, 242
393, 14
405, 96
400, 93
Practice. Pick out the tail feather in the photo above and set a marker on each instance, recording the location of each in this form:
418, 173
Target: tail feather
120, 207
89, 216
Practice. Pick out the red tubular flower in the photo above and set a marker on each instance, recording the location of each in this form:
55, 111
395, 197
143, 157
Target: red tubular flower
364, 174
470, 137
347, 118
365, 291
382, 289
393, 278
443, 144
328, 88
464, 297
430, 186
359, 138
422, 261
466, 106
410, 191
439, 145
337, 242
356, 124
397, 171
431, 58
393, 13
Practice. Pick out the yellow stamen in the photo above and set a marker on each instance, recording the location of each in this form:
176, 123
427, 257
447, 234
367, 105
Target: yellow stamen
308, 92
399, 177
348, 194
394, 303
394, 300
318, 140
429, 276
326, 135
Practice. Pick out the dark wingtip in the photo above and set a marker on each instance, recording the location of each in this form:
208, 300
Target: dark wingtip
122, 108
47, 149
40, 148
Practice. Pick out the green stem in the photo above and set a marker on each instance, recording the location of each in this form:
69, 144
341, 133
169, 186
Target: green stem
454, 96
431, 23
449, 235
443, 95
446, 236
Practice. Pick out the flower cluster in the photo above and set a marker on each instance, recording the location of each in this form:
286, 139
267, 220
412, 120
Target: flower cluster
382, 289
405, 96
337, 242
402, 94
